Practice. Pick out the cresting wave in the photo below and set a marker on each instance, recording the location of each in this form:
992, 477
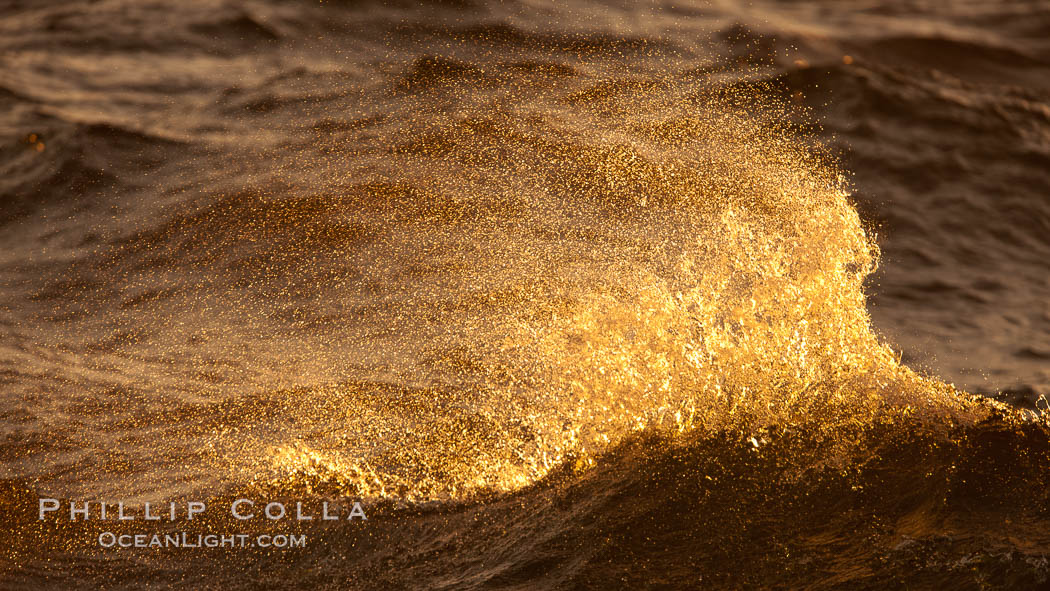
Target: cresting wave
669, 263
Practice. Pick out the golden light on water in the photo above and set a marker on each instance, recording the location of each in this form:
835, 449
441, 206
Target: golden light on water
683, 259
567, 296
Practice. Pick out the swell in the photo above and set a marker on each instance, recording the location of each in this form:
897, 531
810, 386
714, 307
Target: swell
62, 165
505, 34
118, 28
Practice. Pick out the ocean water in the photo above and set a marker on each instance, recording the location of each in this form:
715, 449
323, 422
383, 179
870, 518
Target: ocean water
567, 295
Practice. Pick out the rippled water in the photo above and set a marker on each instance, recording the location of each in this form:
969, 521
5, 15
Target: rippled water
569, 296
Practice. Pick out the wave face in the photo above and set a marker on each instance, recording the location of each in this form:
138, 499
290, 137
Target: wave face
569, 298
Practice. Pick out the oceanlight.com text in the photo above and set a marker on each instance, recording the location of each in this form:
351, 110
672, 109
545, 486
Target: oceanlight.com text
188, 540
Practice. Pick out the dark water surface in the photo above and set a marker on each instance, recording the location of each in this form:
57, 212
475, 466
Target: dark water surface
569, 295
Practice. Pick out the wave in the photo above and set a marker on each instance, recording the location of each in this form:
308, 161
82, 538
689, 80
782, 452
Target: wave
672, 256
563, 308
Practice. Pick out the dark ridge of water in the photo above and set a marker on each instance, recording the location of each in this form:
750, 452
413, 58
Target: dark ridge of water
924, 503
